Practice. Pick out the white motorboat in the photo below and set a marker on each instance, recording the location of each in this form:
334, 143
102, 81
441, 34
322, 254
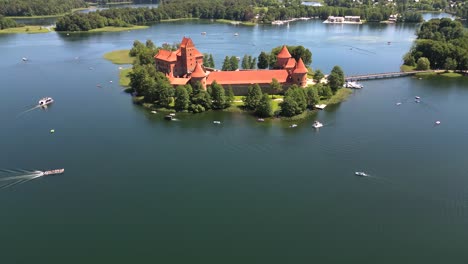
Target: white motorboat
293, 126
260, 120
52, 172
437, 122
25, 59
360, 173
398, 103
154, 112
216, 122
317, 124
45, 101
417, 97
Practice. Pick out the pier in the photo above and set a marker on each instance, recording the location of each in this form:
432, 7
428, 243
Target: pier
385, 75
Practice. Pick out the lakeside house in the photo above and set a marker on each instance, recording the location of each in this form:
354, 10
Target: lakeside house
185, 65
343, 20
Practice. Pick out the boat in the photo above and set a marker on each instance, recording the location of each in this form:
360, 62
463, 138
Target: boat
437, 122
417, 101
317, 124
25, 59
293, 126
398, 103
320, 106
52, 172
203, 33
216, 122
417, 97
45, 101
172, 114
154, 112
168, 117
360, 173
260, 120
236, 34
353, 85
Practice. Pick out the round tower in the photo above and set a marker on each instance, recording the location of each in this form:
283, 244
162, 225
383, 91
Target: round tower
299, 74
282, 58
198, 75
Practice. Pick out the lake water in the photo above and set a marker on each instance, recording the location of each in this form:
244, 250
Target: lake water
138, 189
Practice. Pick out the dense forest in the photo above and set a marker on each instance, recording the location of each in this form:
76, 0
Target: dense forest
441, 44
38, 7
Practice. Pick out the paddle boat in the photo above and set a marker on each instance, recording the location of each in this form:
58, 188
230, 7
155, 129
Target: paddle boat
45, 101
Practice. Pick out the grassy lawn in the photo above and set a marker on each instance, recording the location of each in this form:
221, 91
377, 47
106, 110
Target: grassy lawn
425, 74
119, 57
405, 68
123, 78
115, 29
226, 21
451, 74
25, 29
339, 97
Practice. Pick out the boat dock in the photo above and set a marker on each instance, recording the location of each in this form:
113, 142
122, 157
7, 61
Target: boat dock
385, 75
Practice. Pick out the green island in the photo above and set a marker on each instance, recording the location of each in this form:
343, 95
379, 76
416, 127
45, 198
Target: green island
25, 29
290, 100
441, 44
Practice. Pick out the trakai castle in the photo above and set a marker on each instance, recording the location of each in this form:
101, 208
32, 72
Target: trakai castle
185, 65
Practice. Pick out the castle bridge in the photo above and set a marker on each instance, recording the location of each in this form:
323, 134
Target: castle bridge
385, 75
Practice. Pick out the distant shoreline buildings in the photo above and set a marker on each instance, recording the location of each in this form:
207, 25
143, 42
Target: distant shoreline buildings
343, 20
185, 66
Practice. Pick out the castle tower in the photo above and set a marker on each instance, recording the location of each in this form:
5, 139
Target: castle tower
198, 75
299, 74
188, 55
282, 58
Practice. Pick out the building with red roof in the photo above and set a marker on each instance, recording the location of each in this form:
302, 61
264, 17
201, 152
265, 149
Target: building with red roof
185, 65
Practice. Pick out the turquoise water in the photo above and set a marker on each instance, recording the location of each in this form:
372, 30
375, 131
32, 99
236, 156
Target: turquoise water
138, 189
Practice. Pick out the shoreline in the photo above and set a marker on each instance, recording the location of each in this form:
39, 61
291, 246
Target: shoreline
30, 29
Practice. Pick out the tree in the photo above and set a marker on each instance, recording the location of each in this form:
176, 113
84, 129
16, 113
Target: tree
324, 91
275, 87
264, 108
217, 96
423, 64
182, 99
137, 48
254, 95
450, 64
294, 101
408, 59
318, 76
245, 62
234, 61
312, 96
211, 60
229, 96
263, 61
226, 64
336, 79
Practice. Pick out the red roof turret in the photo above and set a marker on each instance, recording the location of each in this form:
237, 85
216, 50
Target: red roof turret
284, 53
300, 67
198, 72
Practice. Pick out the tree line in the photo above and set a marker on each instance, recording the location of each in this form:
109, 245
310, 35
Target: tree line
38, 7
440, 44
6, 22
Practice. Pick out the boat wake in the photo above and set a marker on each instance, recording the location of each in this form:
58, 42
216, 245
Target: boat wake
9, 178
29, 110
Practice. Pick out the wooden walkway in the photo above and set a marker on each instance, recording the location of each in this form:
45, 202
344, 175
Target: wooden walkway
384, 75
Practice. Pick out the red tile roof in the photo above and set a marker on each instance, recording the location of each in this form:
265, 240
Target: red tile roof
247, 77
166, 55
300, 67
179, 81
284, 53
198, 72
290, 64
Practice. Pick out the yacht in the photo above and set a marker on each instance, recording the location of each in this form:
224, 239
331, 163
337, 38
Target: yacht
52, 172
354, 85
45, 101
360, 173
317, 124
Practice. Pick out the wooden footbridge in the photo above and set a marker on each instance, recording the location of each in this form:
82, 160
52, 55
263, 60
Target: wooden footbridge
385, 75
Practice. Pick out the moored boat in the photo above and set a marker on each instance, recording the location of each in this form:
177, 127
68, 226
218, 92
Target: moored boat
360, 173
168, 117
